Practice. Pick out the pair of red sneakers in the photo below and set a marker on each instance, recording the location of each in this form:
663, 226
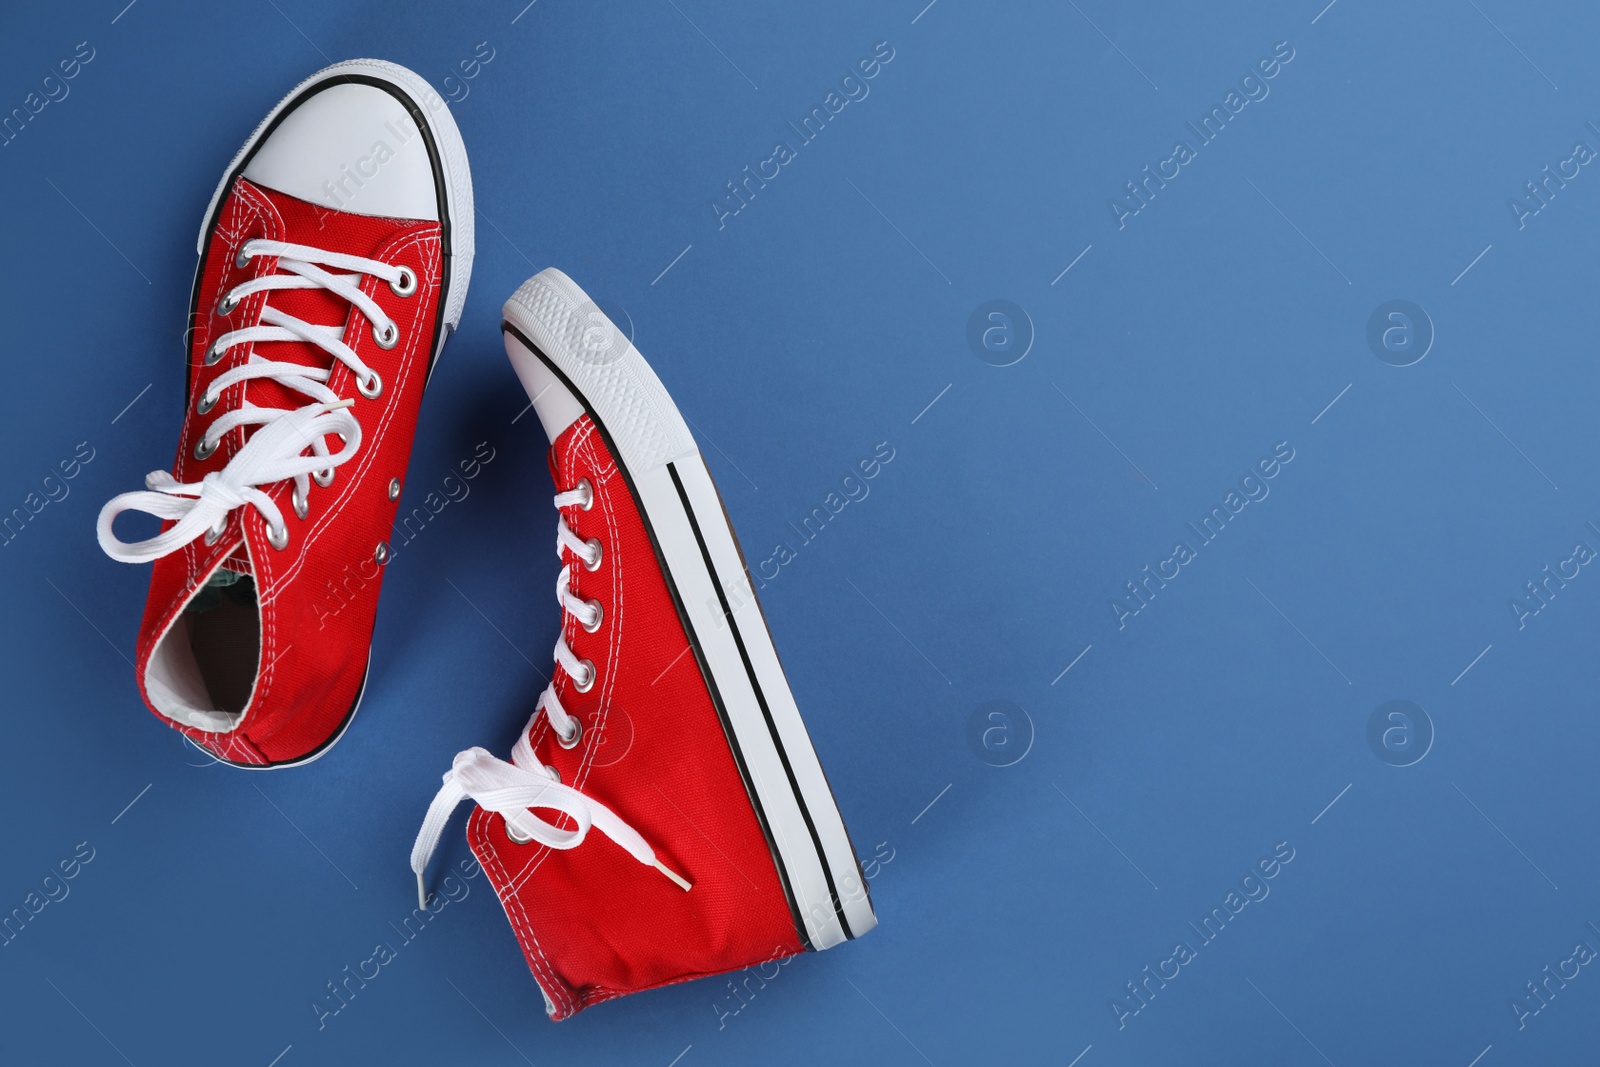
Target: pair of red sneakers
334, 262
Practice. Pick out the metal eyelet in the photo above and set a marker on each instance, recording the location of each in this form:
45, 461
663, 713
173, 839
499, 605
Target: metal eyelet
301, 505
516, 837
226, 305
599, 553
388, 337
555, 775
323, 478
599, 617
242, 259
204, 404
587, 490
215, 533
394, 488
373, 390
380, 555
577, 735
407, 283
204, 449
589, 675
214, 353
278, 537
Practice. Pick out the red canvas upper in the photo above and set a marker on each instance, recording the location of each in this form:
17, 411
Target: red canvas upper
319, 594
593, 922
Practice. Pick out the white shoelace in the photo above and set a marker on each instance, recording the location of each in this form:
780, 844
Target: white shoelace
277, 450
511, 789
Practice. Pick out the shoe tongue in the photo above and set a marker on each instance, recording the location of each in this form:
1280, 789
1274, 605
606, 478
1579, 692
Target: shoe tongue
238, 563
234, 580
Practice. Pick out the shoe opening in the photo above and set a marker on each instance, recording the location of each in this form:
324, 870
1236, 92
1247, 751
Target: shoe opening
202, 671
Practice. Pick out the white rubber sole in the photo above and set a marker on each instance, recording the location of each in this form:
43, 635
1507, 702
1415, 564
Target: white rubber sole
452, 156
549, 321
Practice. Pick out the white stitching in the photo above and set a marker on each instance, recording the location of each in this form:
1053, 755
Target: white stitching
538, 961
272, 583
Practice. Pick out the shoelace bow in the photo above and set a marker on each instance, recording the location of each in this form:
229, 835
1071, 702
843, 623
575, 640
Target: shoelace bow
512, 789
277, 451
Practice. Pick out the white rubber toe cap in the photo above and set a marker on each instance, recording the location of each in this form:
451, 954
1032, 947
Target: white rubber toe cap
350, 147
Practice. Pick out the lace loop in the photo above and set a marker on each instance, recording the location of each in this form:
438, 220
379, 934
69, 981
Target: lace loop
277, 450
273, 453
512, 789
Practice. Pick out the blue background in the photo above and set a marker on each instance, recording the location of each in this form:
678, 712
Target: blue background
1183, 745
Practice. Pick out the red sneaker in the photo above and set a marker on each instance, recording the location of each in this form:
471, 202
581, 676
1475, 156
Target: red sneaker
669, 726
334, 261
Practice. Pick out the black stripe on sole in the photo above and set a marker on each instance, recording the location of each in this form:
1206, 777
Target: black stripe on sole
761, 699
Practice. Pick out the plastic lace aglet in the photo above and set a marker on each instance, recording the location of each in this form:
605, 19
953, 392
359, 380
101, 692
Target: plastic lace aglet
422, 893
677, 878
337, 404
